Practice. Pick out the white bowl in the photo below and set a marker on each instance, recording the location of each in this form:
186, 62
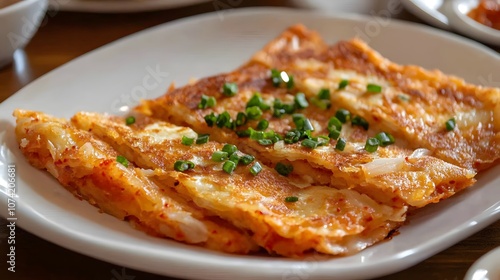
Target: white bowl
485, 268
19, 22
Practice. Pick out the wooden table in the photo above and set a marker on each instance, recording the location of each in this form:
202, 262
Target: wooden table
67, 35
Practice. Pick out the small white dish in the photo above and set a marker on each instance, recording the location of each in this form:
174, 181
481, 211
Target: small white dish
486, 267
19, 22
451, 15
457, 11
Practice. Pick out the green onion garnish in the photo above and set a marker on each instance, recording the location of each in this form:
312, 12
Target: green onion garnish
373, 88
253, 112
404, 97
302, 123
235, 158
183, 165
281, 77
290, 83
321, 103
385, 139
210, 119
241, 119
291, 199
324, 94
247, 159
334, 134
257, 100
187, 141
310, 143
244, 133
340, 144
262, 125
371, 144
219, 156
292, 136
284, 169
256, 169
343, 115
265, 142
223, 120
301, 101
360, 121
275, 77
202, 139
334, 123
343, 84
123, 160
230, 89
207, 102
229, 149
130, 120
450, 124
229, 166
256, 135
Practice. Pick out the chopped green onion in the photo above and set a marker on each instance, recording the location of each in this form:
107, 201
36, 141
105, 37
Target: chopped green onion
324, 94
265, 142
229, 166
360, 121
210, 119
187, 141
229, 149
280, 77
235, 158
256, 169
257, 100
450, 124
207, 102
301, 101
263, 125
241, 119
334, 123
373, 88
183, 165
292, 136
291, 199
341, 143
289, 108
385, 139
322, 140
343, 115
310, 143
247, 159
321, 103
278, 113
123, 160
334, 134
230, 89
256, 135
223, 120
130, 120
202, 139
302, 123
219, 156
284, 169
253, 112
343, 84
244, 133
371, 144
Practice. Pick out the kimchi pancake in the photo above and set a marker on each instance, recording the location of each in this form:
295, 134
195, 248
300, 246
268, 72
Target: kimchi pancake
89, 169
283, 218
399, 178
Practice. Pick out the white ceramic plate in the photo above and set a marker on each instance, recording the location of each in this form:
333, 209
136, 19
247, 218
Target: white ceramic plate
429, 11
486, 267
114, 76
118, 6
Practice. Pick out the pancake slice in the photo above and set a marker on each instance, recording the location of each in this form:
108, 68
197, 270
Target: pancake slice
88, 168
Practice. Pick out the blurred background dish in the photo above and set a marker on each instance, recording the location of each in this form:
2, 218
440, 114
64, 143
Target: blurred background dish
485, 268
351, 6
118, 6
19, 22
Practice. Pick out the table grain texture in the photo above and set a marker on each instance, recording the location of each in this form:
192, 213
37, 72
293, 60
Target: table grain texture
64, 36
